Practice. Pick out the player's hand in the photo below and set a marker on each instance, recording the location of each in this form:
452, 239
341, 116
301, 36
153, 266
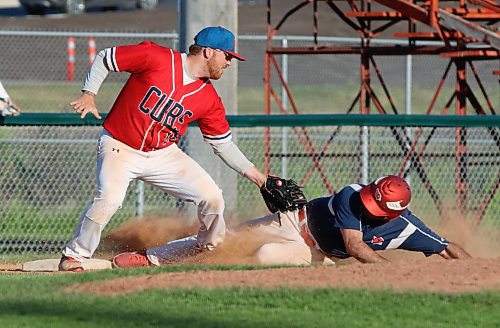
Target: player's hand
281, 195
84, 105
8, 107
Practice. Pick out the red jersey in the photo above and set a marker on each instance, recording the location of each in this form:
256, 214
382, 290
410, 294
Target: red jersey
154, 108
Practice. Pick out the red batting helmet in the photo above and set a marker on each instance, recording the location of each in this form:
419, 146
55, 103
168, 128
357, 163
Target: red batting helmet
386, 197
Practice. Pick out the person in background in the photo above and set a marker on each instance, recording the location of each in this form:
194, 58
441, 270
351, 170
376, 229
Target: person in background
7, 106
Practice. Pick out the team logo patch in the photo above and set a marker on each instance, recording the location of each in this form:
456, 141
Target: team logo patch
377, 240
378, 195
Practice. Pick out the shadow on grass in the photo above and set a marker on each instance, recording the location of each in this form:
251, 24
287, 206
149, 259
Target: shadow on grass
151, 309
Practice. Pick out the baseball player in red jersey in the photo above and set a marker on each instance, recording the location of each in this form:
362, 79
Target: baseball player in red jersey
165, 92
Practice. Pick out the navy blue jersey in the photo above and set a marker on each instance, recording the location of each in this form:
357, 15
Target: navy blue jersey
344, 210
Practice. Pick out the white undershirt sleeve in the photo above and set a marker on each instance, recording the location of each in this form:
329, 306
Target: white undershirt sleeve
3, 92
232, 156
97, 74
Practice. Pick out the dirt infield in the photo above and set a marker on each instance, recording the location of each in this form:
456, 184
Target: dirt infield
407, 270
416, 275
403, 274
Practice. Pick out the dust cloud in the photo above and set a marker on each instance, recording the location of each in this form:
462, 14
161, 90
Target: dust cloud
239, 247
481, 241
134, 234
140, 234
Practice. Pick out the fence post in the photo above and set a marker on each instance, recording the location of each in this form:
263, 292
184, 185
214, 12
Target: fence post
70, 66
284, 100
365, 157
408, 95
139, 204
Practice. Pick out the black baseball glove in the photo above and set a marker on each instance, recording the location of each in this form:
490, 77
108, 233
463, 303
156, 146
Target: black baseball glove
281, 195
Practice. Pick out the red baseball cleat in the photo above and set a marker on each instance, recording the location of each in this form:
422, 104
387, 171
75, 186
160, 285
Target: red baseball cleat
70, 264
131, 260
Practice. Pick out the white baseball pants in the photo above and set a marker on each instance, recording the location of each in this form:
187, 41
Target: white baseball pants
169, 169
286, 245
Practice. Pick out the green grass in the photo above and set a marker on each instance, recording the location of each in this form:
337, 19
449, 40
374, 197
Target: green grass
317, 99
55, 97
39, 301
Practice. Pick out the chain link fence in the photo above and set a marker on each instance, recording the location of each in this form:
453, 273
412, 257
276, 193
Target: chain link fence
34, 69
48, 171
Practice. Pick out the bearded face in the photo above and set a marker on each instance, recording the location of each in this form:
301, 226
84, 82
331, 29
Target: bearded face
215, 69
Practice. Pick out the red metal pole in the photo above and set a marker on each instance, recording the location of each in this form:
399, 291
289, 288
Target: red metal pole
460, 136
433, 13
365, 81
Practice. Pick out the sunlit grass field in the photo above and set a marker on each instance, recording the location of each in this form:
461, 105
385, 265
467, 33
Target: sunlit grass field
309, 99
33, 300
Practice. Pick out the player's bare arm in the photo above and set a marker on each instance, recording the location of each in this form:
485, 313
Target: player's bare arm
356, 247
454, 251
85, 104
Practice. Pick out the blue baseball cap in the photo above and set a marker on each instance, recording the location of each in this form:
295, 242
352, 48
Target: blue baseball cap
217, 37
